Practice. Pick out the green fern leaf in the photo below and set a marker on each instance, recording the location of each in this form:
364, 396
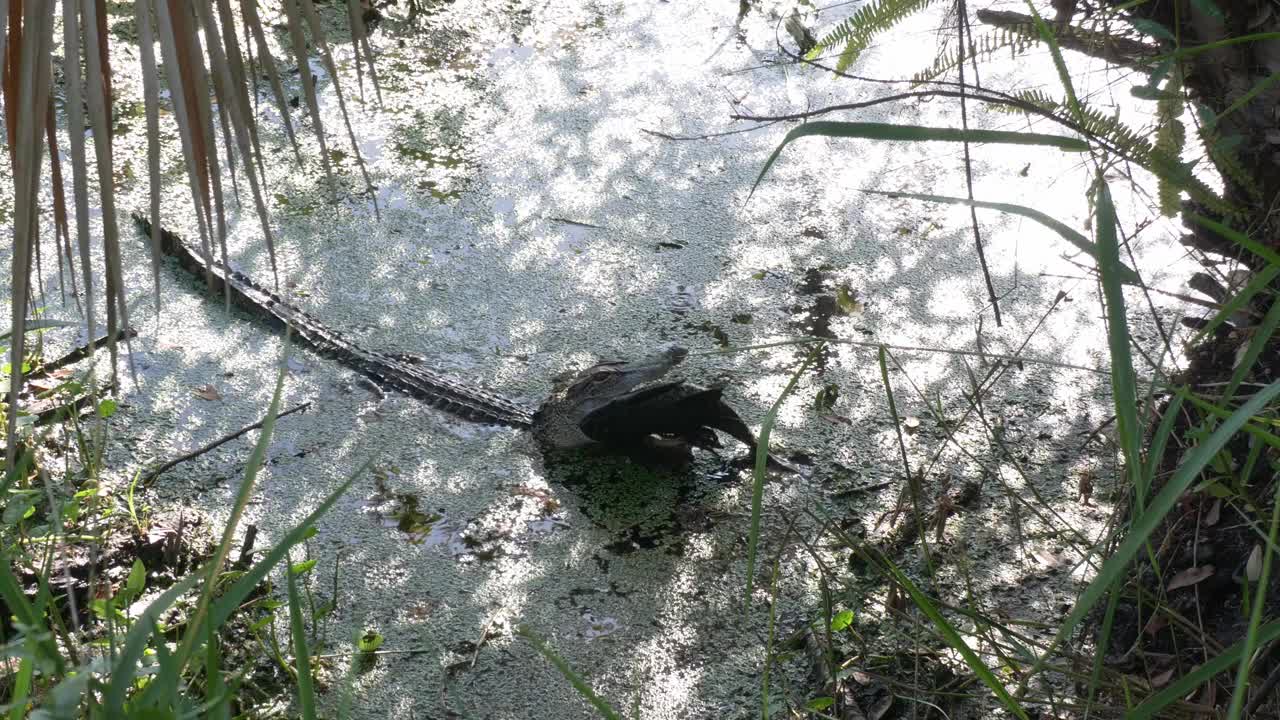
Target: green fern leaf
1171, 137
855, 33
1222, 150
1163, 160
987, 46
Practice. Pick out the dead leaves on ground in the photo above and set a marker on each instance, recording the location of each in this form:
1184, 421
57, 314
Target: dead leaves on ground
1190, 576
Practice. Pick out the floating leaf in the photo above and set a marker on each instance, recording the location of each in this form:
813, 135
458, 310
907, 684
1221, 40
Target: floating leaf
370, 641
107, 408
847, 301
842, 620
826, 397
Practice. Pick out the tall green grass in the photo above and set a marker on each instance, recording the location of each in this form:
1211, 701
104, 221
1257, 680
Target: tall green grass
140, 676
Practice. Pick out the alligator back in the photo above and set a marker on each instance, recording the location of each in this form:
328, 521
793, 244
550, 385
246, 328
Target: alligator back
465, 401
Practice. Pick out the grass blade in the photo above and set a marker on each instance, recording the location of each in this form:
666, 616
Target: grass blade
225, 86
1262, 335
305, 76
151, 94
301, 654
1124, 391
214, 567
192, 147
217, 696
1085, 245
98, 84
953, 638
1146, 520
1185, 685
125, 667
27, 615
915, 133
1252, 641
233, 596
1059, 64
1114, 569
762, 461
1261, 280
26, 108
317, 40
249, 13
599, 703
73, 88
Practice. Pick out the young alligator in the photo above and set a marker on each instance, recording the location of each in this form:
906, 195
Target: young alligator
617, 405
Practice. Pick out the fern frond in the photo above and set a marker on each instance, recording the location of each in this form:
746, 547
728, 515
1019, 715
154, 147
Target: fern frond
856, 32
1171, 137
987, 46
1224, 157
1162, 159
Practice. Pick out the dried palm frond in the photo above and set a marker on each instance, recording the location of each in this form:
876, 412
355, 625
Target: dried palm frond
200, 59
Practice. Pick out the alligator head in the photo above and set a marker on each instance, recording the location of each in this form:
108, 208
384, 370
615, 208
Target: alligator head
622, 406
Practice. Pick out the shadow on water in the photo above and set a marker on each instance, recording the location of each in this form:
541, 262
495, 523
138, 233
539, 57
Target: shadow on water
828, 299
641, 505
644, 505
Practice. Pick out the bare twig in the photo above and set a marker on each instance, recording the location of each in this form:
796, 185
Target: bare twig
151, 476
80, 353
246, 548
484, 636
963, 11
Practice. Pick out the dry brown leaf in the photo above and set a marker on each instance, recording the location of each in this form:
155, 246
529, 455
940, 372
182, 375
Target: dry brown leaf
207, 392
1162, 679
1253, 566
1215, 512
1084, 487
1155, 625
1190, 577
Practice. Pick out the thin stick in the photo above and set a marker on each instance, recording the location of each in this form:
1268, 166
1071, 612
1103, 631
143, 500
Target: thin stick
484, 635
220, 441
81, 353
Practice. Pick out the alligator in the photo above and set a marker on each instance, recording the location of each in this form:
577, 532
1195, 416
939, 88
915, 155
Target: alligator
619, 407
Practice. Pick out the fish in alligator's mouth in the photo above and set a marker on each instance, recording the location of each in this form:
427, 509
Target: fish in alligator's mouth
627, 406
